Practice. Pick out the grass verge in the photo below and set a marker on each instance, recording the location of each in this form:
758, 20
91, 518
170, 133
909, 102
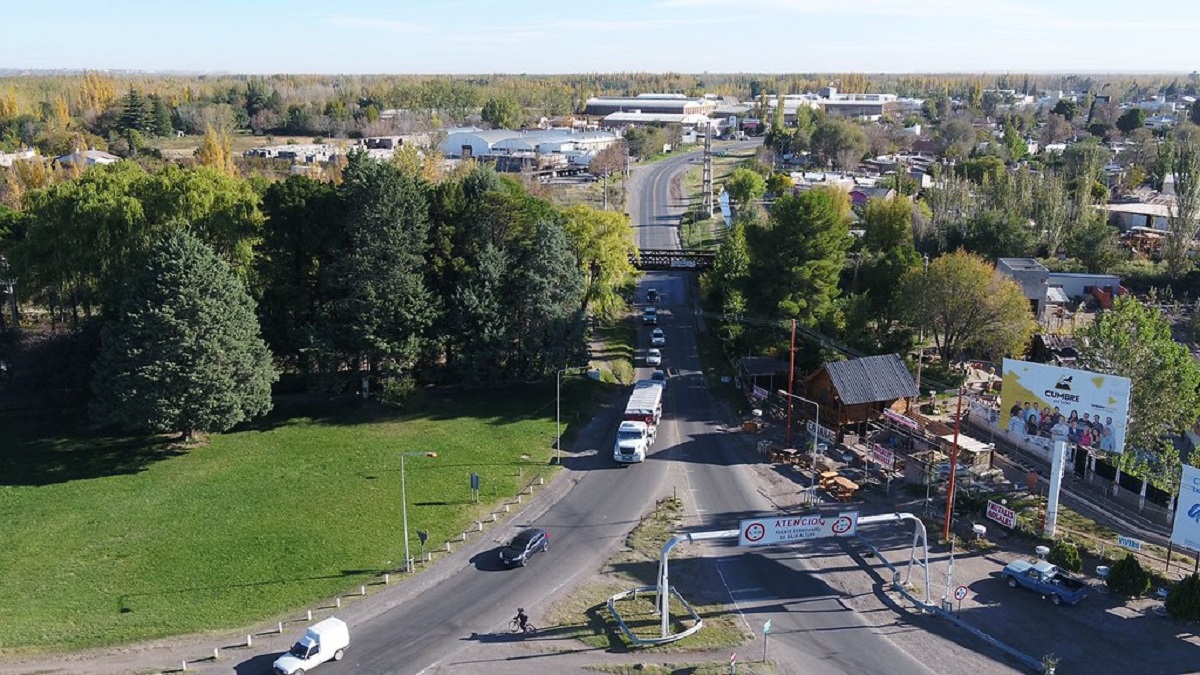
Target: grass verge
616, 359
110, 540
584, 615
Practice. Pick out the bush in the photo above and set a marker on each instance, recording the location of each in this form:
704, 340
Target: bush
1066, 555
396, 391
1183, 602
623, 372
1127, 577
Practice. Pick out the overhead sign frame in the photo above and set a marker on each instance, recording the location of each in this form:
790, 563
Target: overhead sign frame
789, 529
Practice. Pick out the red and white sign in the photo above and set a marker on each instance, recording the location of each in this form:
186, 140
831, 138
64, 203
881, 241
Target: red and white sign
960, 593
785, 529
901, 419
883, 456
1002, 514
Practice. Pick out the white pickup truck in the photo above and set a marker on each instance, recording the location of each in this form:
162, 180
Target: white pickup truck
322, 642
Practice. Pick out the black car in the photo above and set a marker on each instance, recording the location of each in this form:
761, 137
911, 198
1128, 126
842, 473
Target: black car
652, 295
523, 546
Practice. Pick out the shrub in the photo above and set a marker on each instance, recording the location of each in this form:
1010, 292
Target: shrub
1183, 602
396, 391
1127, 577
623, 371
1066, 555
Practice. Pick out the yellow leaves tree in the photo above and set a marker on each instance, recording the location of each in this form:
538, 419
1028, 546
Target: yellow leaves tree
96, 91
214, 151
8, 103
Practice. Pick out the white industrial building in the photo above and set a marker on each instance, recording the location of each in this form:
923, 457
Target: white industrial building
577, 147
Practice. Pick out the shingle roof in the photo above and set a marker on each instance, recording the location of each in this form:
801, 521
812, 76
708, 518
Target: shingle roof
871, 379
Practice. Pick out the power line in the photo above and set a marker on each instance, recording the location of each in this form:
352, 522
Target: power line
813, 336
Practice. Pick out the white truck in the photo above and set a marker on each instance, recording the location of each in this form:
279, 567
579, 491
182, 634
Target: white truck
639, 424
324, 641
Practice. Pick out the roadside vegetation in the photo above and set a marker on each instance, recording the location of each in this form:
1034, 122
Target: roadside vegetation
584, 615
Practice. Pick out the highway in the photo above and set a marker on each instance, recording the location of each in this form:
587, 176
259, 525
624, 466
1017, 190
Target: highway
459, 605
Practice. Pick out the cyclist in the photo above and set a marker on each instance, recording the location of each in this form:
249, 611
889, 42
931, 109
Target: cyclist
521, 618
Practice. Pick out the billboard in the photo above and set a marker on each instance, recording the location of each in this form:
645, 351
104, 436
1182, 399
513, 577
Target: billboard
1064, 404
786, 529
1186, 530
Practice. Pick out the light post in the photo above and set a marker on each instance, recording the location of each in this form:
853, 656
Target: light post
921, 339
408, 563
816, 431
558, 410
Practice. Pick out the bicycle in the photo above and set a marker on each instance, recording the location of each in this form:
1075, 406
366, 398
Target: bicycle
514, 626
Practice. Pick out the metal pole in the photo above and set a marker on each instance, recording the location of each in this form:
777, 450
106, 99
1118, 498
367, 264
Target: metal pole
953, 470
791, 384
921, 340
816, 433
558, 417
404, 517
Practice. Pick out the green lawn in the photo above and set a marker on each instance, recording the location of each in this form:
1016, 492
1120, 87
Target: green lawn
110, 540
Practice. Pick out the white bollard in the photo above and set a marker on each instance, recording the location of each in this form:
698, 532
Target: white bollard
337, 602
183, 665
479, 527
428, 556
462, 537
216, 654
387, 578
541, 481
506, 507
494, 517
518, 497
310, 615
447, 547
280, 628
362, 590
249, 640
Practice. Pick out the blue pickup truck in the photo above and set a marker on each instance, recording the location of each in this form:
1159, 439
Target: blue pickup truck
1045, 578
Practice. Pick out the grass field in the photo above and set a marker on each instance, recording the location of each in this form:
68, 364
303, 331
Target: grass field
110, 540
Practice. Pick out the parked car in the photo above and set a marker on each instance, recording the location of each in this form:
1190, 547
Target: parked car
658, 338
1045, 578
524, 546
654, 357
650, 316
324, 641
652, 296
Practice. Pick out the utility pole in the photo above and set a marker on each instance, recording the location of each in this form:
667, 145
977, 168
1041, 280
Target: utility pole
921, 339
791, 384
709, 205
953, 470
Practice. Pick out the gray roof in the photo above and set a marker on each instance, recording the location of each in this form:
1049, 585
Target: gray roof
871, 379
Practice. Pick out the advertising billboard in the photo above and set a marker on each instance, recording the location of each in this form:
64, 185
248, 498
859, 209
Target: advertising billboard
1064, 404
1186, 530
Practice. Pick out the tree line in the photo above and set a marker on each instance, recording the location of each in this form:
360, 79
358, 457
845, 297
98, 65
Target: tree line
385, 275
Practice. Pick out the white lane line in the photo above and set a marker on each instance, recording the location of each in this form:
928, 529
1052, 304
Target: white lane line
733, 599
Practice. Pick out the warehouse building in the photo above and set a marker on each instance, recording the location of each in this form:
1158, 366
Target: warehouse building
666, 104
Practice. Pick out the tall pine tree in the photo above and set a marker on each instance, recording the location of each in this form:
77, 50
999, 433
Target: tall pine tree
185, 353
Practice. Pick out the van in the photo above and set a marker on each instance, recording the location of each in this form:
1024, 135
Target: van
322, 642
650, 316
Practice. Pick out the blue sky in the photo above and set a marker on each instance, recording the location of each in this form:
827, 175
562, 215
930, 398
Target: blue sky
548, 36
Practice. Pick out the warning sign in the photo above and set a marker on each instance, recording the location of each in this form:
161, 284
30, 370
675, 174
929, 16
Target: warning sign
785, 529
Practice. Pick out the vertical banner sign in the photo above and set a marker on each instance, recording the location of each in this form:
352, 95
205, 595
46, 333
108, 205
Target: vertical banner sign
1186, 530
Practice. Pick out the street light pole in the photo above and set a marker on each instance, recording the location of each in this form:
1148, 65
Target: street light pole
921, 339
558, 411
408, 563
816, 430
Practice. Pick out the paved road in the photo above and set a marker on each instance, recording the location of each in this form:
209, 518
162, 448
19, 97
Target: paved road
813, 632
816, 634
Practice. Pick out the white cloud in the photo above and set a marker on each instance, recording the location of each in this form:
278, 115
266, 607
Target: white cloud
929, 9
404, 27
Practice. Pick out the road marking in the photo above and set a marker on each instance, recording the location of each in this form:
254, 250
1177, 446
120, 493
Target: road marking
733, 599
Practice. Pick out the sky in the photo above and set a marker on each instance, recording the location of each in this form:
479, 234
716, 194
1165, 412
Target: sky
548, 36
